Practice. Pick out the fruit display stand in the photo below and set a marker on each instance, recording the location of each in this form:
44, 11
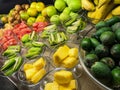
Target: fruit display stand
41, 47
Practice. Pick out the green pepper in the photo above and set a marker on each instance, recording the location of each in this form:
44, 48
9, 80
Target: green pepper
35, 49
18, 62
8, 52
38, 44
8, 64
9, 71
25, 38
32, 54
16, 48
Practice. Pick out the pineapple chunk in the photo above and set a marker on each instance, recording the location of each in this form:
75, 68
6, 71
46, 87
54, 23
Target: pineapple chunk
61, 53
30, 73
40, 63
51, 86
56, 60
73, 52
72, 85
63, 77
38, 76
69, 62
27, 66
62, 87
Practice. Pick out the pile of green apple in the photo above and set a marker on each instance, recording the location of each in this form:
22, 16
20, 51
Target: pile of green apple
34, 13
63, 11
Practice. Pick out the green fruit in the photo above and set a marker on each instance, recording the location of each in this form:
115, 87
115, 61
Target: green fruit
116, 26
90, 59
100, 70
115, 51
108, 61
100, 31
67, 10
107, 38
51, 11
75, 5
60, 5
86, 44
102, 51
116, 76
55, 19
64, 17
24, 15
30, 21
101, 24
117, 34
113, 20
94, 42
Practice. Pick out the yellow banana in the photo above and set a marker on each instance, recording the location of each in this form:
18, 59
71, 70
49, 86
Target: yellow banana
102, 12
102, 2
108, 16
116, 1
116, 11
88, 5
96, 2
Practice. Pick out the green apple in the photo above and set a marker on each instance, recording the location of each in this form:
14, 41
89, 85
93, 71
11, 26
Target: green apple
60, 5
32, 12
67, 10
75, 5
55, 19
64, 17
24, 15
31, 20
51, 11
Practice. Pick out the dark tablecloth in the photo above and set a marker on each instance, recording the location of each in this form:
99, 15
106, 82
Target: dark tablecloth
5, 84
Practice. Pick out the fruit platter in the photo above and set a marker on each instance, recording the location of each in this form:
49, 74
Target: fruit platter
43, 47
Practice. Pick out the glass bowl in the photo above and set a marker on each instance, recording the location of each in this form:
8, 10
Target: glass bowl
49, 78
28, 85
86, 69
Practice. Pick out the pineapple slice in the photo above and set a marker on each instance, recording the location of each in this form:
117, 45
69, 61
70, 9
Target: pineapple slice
69, 62
30, 73
38, 76
51, 86
40, 63
72, 85
61, 54
73, 52
27, 66
63, 77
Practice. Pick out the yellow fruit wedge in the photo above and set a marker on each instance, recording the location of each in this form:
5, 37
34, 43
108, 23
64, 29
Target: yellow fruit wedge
73, 52
51, 86
38, 76
61, 53
27, 66
72, 85
30, 73
61, 87
40, 63
69, 62
63, 77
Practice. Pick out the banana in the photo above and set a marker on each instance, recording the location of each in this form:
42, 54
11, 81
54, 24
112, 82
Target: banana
102, 2
88, 5
96, 2
116, 11
102, 12
116, 1
108, 16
